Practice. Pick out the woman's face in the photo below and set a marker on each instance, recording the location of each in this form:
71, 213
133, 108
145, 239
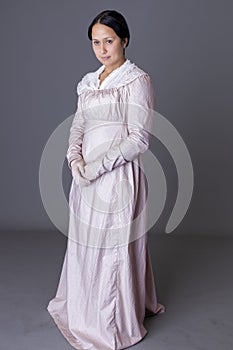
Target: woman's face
107, 45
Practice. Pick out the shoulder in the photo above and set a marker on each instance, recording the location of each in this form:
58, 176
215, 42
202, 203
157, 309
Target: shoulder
88, 81
137, 79
140, 88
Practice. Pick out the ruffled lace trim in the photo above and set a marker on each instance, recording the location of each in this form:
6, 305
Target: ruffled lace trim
121, 76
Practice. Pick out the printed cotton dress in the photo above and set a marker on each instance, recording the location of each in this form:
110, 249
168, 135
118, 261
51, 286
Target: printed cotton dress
107, 286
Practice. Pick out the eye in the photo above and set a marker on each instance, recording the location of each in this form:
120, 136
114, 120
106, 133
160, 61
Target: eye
95, 42
109, 41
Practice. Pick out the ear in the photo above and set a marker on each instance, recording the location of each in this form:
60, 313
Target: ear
124, 42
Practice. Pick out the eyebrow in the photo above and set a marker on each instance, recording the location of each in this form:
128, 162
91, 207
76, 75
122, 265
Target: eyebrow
107, 37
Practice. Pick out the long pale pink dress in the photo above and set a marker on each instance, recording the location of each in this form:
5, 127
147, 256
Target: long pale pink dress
106, 286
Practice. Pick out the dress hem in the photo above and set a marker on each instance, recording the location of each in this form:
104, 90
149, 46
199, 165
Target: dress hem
73, 341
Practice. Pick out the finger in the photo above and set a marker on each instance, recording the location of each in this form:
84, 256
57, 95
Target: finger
82, 171
85, 182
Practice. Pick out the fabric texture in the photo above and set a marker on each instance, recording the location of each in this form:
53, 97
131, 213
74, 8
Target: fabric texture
106, 286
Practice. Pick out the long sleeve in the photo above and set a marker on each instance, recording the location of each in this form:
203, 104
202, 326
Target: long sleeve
76, 134
140, 114
141, 104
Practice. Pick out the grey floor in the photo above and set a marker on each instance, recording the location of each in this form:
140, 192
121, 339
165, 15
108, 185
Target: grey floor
193, 276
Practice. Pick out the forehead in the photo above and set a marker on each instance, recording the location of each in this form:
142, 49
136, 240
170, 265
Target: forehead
100, 31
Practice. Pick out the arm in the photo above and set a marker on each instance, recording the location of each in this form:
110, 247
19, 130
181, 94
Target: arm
140, 114
76, 135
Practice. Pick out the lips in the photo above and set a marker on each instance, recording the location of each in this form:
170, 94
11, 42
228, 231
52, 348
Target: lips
105, 58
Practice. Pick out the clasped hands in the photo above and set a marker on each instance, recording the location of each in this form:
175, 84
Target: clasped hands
83, 173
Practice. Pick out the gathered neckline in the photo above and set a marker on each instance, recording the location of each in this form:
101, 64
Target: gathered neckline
120, 76
101, 69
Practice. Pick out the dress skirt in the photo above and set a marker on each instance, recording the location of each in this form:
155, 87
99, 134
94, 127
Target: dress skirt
105, 290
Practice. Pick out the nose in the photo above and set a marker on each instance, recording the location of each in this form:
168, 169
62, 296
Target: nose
102, 48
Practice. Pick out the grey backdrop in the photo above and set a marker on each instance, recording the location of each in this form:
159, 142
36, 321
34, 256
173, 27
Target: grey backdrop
186, 47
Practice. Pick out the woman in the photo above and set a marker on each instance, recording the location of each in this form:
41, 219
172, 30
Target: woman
106, 286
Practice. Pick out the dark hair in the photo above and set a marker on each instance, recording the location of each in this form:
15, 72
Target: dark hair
114, 20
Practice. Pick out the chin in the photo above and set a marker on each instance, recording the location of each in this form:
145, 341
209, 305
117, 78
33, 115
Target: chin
106, 62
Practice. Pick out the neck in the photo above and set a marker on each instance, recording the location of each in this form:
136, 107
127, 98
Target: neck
110, 69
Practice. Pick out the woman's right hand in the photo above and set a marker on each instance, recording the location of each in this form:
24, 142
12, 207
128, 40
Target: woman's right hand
77, 169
